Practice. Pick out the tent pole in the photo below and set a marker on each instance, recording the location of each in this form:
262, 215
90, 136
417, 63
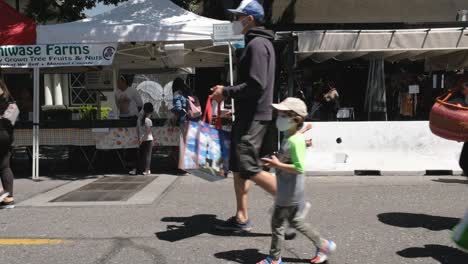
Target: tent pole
115, 79
35, 172
290, 60
231, 80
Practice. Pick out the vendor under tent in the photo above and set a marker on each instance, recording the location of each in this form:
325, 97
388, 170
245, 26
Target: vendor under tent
144, 34
388, 78
434, 49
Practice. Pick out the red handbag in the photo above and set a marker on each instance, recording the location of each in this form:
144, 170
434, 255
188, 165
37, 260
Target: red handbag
448, 120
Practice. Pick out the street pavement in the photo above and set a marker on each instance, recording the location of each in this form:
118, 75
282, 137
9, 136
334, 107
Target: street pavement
373, 220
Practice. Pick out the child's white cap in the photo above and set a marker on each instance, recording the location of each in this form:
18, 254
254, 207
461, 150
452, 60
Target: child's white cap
292, 104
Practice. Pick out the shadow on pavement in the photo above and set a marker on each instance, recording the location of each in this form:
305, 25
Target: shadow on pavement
251, 256
443, 254
409, 220
195, 225
465, 181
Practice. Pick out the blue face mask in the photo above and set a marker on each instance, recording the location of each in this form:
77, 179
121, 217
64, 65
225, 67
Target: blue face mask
238, 44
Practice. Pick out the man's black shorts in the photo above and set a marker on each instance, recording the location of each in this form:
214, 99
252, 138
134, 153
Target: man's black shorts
250, 141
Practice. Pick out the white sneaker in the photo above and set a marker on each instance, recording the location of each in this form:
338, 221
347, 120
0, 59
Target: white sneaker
146, 173
3, 195
132, 172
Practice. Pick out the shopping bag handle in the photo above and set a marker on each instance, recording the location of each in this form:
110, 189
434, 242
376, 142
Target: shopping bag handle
208, 115
444, 98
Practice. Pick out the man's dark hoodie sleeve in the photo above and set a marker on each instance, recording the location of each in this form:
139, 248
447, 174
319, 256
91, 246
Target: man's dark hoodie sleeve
257, 61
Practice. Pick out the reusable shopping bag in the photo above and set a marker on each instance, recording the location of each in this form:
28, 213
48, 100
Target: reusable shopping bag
205, 152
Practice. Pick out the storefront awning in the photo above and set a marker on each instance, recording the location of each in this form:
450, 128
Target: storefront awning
391, 45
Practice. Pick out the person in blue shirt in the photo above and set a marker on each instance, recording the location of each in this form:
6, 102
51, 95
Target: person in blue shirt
179, 101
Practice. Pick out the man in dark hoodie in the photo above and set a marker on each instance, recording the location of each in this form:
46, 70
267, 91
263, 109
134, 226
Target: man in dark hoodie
253, 112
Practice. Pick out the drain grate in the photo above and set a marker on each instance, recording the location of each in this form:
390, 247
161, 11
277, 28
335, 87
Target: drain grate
107, 189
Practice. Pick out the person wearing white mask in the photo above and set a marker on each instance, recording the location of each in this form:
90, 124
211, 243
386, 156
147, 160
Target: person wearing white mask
290, 168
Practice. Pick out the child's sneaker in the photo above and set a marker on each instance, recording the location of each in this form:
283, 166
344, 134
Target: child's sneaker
268, 260
324, 252
147, 173
132, 172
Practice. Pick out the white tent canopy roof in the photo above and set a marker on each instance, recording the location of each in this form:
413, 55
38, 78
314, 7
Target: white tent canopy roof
142, 28
391, 45
133, 21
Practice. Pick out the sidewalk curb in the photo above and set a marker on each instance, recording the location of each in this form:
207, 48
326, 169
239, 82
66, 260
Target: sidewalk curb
145, 196
385, 173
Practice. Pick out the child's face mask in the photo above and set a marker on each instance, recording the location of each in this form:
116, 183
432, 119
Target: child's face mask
284, 123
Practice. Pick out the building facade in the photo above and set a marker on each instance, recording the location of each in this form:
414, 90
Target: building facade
19, 5
368, 11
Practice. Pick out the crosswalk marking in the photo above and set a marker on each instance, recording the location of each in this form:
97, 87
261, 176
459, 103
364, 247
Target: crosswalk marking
7, 242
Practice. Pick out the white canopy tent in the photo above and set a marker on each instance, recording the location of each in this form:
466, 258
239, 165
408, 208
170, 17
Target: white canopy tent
146, 31
133, 21
149, 34
437, 46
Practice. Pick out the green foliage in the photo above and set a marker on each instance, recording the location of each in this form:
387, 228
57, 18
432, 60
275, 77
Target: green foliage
105, 112
48, 10
190, 5
88, 112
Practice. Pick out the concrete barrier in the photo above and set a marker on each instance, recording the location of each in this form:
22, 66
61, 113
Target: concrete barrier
384, 148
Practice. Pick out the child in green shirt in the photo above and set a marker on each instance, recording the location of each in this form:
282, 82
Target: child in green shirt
290, 167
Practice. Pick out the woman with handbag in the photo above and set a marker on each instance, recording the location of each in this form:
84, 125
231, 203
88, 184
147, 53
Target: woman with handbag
449, 117
461, 98
8, 114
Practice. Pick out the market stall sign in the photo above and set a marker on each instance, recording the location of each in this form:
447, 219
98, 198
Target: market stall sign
225, 33
60, 55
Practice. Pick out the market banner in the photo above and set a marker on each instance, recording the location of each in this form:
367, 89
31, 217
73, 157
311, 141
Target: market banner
126, 137
56, 55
